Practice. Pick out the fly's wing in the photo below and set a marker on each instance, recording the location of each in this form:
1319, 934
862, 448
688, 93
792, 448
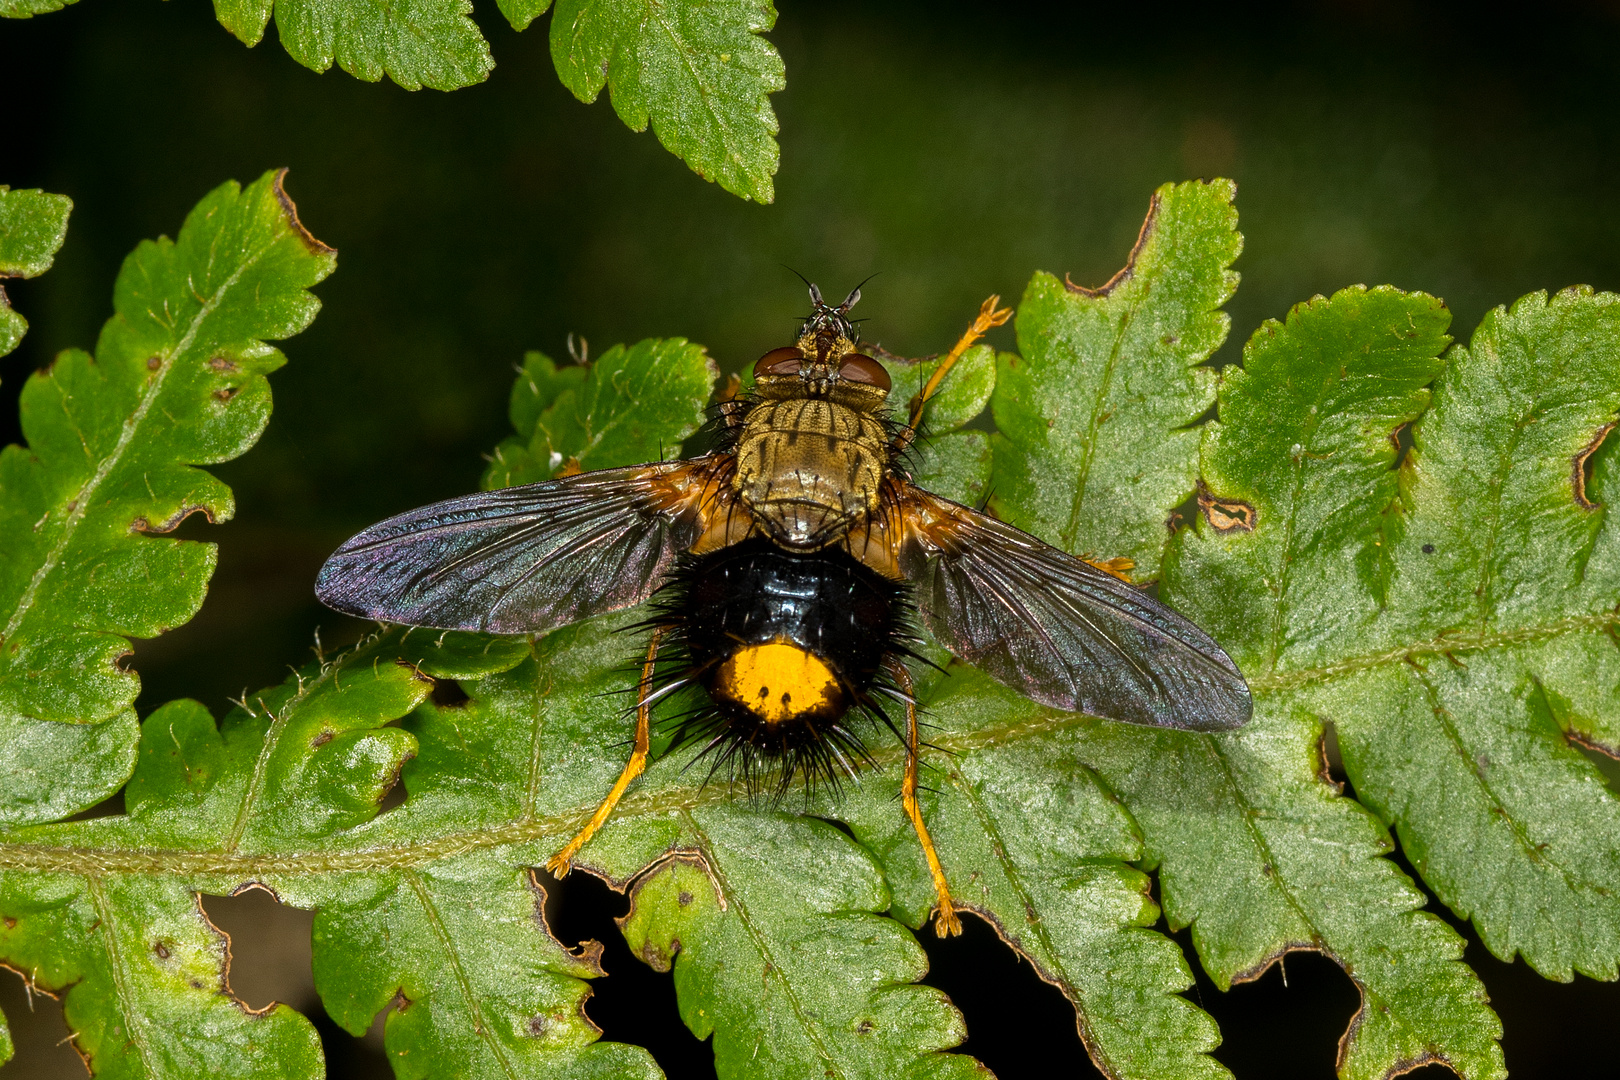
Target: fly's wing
526, 559
1055, 628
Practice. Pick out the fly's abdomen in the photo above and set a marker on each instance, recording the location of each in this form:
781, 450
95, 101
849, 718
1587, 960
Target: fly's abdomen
810, 470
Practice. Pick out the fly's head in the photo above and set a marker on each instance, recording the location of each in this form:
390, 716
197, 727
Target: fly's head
825, 362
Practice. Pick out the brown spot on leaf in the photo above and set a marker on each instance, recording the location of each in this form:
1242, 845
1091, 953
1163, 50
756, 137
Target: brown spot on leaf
1583, 739
1129, 268
538, 1026
1402, 1067
684, 899
225, 393
1225, 515
289, 208
153, 363
162, 950
320, 740
865, 1027
141, 525
224, 364
1328, 756
1580, 473
659, 959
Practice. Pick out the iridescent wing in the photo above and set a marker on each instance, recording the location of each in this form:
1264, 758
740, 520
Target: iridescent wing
527, 559
1053, 627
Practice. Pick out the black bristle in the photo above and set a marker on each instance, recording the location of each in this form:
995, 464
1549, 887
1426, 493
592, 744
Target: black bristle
770, 760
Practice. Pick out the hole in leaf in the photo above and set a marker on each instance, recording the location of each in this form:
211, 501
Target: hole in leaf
634, 1003
1331, 762
1286, 1023
270, 949
111, 806
271, 961
39, 1034
448, 694
1225, 515
1018, 1024
1401, 438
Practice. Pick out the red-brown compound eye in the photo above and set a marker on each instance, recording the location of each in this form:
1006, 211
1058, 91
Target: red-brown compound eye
783, 361
862, 369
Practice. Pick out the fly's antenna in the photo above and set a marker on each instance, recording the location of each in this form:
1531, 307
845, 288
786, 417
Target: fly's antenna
854, 296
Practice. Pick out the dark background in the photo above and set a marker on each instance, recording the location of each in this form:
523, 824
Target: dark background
953, 147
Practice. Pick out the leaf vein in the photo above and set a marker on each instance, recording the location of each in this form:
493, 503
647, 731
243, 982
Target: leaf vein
115, 963
435, 920
811, 1031
1090, 454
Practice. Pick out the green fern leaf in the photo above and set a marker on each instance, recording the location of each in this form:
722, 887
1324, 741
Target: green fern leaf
620, 408
33, 224
1455, 708
24, 9
178, 380
432, 43
1096, 440
697, 70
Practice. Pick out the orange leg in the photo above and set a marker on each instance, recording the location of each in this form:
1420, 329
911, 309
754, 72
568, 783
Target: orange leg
562, 862
949, 924
991, 314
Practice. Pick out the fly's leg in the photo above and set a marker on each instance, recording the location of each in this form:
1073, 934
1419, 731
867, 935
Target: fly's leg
991, 314
949, 924
562, 862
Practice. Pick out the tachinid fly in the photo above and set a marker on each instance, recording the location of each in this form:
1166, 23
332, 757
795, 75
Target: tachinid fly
788, 569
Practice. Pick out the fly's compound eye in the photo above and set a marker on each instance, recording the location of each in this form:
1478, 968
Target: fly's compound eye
862, 369
783, 361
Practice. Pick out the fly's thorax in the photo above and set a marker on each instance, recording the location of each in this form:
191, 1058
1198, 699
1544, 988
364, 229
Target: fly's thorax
810, 468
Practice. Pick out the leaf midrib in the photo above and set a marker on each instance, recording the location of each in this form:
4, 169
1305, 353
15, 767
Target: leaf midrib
94, 862
267, 749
